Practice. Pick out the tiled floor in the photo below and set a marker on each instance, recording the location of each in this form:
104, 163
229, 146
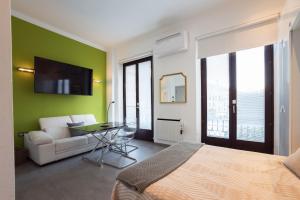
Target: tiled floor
73, 178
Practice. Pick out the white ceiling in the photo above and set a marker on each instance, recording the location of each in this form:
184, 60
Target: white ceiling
109, 22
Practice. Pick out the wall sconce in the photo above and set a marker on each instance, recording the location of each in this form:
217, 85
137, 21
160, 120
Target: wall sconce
98, 81
22, 69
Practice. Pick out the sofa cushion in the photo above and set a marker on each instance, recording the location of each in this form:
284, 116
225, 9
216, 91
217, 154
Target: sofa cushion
56, 126
88, 119
58, 132
40, 137
54, 122
92, 139
68, 144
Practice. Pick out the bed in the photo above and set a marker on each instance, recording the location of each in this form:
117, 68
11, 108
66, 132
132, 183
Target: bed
220, 173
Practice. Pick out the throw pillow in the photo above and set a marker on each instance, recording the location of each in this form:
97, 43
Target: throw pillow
76, 132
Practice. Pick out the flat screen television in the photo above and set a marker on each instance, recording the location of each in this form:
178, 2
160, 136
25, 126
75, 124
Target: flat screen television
52, 77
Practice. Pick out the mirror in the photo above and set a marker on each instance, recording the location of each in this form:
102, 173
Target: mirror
173, 88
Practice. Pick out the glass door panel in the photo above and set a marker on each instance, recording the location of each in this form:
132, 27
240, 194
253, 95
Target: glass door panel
130, 95
138, 95
238, 101
145, 99
250, 91
218, 96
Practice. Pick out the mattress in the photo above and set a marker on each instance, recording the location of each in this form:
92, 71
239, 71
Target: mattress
216, 173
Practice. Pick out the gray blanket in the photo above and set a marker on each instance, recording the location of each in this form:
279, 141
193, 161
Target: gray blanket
143, 174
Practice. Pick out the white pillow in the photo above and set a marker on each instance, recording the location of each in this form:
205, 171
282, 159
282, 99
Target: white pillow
40, 137
293, 162
58, 132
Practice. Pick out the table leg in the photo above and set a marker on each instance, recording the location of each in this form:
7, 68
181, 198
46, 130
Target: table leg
101, 140
108, 145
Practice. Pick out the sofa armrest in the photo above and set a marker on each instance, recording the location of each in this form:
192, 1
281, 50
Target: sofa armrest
40, 137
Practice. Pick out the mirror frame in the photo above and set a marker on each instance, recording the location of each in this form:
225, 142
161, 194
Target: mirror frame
185, 86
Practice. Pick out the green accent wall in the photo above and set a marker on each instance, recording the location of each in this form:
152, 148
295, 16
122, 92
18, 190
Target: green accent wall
28, 41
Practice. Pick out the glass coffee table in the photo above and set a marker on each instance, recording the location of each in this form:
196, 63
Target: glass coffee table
107, 138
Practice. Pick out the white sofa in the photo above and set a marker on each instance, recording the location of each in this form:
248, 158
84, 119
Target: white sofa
54, 142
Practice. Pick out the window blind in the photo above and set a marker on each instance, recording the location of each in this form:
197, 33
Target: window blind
244, 38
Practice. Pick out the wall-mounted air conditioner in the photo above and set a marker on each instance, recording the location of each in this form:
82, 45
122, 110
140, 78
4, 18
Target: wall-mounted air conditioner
171, 44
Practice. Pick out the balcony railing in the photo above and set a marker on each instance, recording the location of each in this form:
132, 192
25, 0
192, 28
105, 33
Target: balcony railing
248, 132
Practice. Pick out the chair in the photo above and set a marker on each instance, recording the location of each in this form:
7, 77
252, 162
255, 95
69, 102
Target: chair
118, 142
122, 140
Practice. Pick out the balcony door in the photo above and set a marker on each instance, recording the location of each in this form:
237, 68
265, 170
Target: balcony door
237, 99
138, 97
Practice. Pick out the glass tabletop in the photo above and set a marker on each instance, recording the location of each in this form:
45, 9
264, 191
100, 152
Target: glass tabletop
100, 127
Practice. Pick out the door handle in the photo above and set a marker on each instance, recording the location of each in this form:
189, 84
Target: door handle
234, 106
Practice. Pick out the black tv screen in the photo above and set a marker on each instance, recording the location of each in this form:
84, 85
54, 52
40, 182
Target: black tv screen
54, 77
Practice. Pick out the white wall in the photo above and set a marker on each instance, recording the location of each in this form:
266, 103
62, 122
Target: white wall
110, 84
291, 5
287, 23
213, 20
288, 16
6, 119
295, 91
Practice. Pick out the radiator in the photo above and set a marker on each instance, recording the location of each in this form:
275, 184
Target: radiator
170, 130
